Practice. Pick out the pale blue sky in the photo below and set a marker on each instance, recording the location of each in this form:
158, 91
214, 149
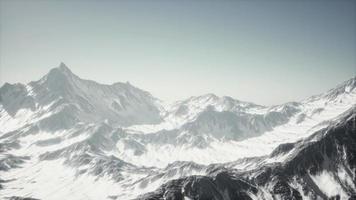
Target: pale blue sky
267, 52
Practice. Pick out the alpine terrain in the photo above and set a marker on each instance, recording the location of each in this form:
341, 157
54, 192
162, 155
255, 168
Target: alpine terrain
63, 137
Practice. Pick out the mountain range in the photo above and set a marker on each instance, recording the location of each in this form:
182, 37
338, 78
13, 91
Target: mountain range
63, 137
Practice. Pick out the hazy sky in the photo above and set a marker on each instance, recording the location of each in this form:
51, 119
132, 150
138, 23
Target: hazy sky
267, 52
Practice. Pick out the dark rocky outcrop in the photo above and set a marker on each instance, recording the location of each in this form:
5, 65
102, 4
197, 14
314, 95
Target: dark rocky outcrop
325, 151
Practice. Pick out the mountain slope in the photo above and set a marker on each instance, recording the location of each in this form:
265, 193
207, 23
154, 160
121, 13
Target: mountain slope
62, 93
230, 119
320, 166
215, 134
63, 137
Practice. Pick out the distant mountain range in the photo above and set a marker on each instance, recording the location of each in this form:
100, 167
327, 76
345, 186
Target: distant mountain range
63, 137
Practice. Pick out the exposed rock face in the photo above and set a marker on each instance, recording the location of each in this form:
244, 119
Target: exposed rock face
325, 153
64, 137
21, 198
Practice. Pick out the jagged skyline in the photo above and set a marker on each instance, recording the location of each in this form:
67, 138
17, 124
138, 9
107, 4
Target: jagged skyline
240, 49
62, 136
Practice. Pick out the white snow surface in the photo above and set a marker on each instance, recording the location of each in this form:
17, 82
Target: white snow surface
143, 163
329, 185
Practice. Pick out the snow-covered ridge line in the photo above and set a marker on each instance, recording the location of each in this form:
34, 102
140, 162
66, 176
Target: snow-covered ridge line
117, 141
120, 104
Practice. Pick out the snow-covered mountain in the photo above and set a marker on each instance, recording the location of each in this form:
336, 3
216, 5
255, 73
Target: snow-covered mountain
61, 95
63, 137
321, 166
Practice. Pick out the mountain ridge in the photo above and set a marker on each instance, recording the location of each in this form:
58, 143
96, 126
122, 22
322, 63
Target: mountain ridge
297, 178
64, 68
63, 136
92, 101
